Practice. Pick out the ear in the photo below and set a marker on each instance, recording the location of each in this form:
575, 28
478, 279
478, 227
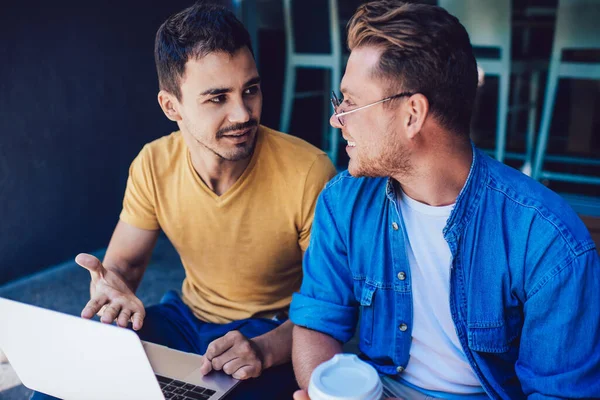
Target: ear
169, 105
418, 109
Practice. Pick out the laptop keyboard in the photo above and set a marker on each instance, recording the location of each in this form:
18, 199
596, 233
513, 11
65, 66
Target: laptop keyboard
178, 390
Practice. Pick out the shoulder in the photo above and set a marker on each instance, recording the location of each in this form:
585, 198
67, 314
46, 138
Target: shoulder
529, 203
160, 154
294, 155
164, 146
291, 145
345, 192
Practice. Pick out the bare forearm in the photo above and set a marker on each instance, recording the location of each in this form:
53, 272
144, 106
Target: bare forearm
129, 252
132, 274
311, 348
276, 345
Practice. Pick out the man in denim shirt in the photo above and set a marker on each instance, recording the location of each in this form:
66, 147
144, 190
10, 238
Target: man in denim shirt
471, 279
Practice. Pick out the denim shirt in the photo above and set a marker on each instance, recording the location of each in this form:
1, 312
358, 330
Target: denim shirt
524, 281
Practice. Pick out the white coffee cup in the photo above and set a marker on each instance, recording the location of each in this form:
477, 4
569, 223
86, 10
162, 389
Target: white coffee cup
345, 377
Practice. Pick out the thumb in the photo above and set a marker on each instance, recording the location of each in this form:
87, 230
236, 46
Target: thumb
301, 395
90, 263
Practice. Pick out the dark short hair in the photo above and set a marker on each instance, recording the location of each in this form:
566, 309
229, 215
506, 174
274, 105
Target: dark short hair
193, 33
425, 50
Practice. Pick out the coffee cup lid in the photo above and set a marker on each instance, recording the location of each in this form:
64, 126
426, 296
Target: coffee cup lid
345, 377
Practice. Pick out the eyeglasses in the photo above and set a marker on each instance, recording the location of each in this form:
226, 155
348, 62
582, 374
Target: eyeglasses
335, 102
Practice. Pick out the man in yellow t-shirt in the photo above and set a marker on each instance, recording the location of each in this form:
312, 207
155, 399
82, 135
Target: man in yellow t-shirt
235, 198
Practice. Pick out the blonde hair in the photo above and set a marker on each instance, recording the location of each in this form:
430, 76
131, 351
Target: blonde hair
382, 22
425, 50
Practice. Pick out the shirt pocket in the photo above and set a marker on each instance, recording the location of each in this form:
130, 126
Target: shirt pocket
494, 337
367, 313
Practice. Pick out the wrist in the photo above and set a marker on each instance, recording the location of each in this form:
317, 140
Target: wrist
264, 351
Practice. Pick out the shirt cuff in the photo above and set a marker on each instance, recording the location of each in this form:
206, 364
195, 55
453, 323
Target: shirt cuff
332, 319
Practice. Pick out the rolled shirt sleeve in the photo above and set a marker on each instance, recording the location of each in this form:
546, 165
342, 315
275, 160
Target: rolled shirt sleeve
326, 301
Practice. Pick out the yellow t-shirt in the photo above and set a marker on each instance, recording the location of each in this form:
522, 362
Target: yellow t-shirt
242, 251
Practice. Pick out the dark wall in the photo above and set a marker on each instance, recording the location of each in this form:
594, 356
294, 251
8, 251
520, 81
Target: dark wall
77, 102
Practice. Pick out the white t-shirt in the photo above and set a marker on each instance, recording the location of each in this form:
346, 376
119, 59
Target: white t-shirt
437, 360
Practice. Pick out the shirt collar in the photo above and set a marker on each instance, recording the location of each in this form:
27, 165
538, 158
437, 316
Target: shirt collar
467, 201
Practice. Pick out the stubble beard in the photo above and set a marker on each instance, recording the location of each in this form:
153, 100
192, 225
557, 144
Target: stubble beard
393, 161
241, 151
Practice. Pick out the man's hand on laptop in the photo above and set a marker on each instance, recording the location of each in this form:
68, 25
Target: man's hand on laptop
111, 298
235, 354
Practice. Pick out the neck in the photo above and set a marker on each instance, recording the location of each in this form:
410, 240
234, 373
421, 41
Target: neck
217, 173
438, 175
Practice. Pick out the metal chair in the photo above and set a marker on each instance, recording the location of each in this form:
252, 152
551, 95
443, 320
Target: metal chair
577, 27
488, 23
302, 54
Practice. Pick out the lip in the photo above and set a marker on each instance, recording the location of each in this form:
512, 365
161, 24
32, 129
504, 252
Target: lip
349, 151
349, 142
239, 136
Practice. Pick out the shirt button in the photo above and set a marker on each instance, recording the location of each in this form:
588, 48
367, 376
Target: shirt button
403, 327
395, 226
401, 276
399, 369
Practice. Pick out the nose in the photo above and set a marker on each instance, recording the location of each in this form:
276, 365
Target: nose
240, 112
335, 122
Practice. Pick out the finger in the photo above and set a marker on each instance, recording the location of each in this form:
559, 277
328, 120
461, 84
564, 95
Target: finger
242, 350
230, 367
124, 317
90, 263
135, 312
206, 366
219, 346
137, 320
93, 306
246, 372
103, 308
219, 361
301, 395
110, 314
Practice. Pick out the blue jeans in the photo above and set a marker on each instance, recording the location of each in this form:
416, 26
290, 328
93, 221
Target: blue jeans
171, 323
405, 390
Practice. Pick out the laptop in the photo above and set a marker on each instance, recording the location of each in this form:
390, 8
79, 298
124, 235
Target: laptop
74, 358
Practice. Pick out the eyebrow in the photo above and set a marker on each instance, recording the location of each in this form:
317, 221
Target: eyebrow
348, 92
216, 91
